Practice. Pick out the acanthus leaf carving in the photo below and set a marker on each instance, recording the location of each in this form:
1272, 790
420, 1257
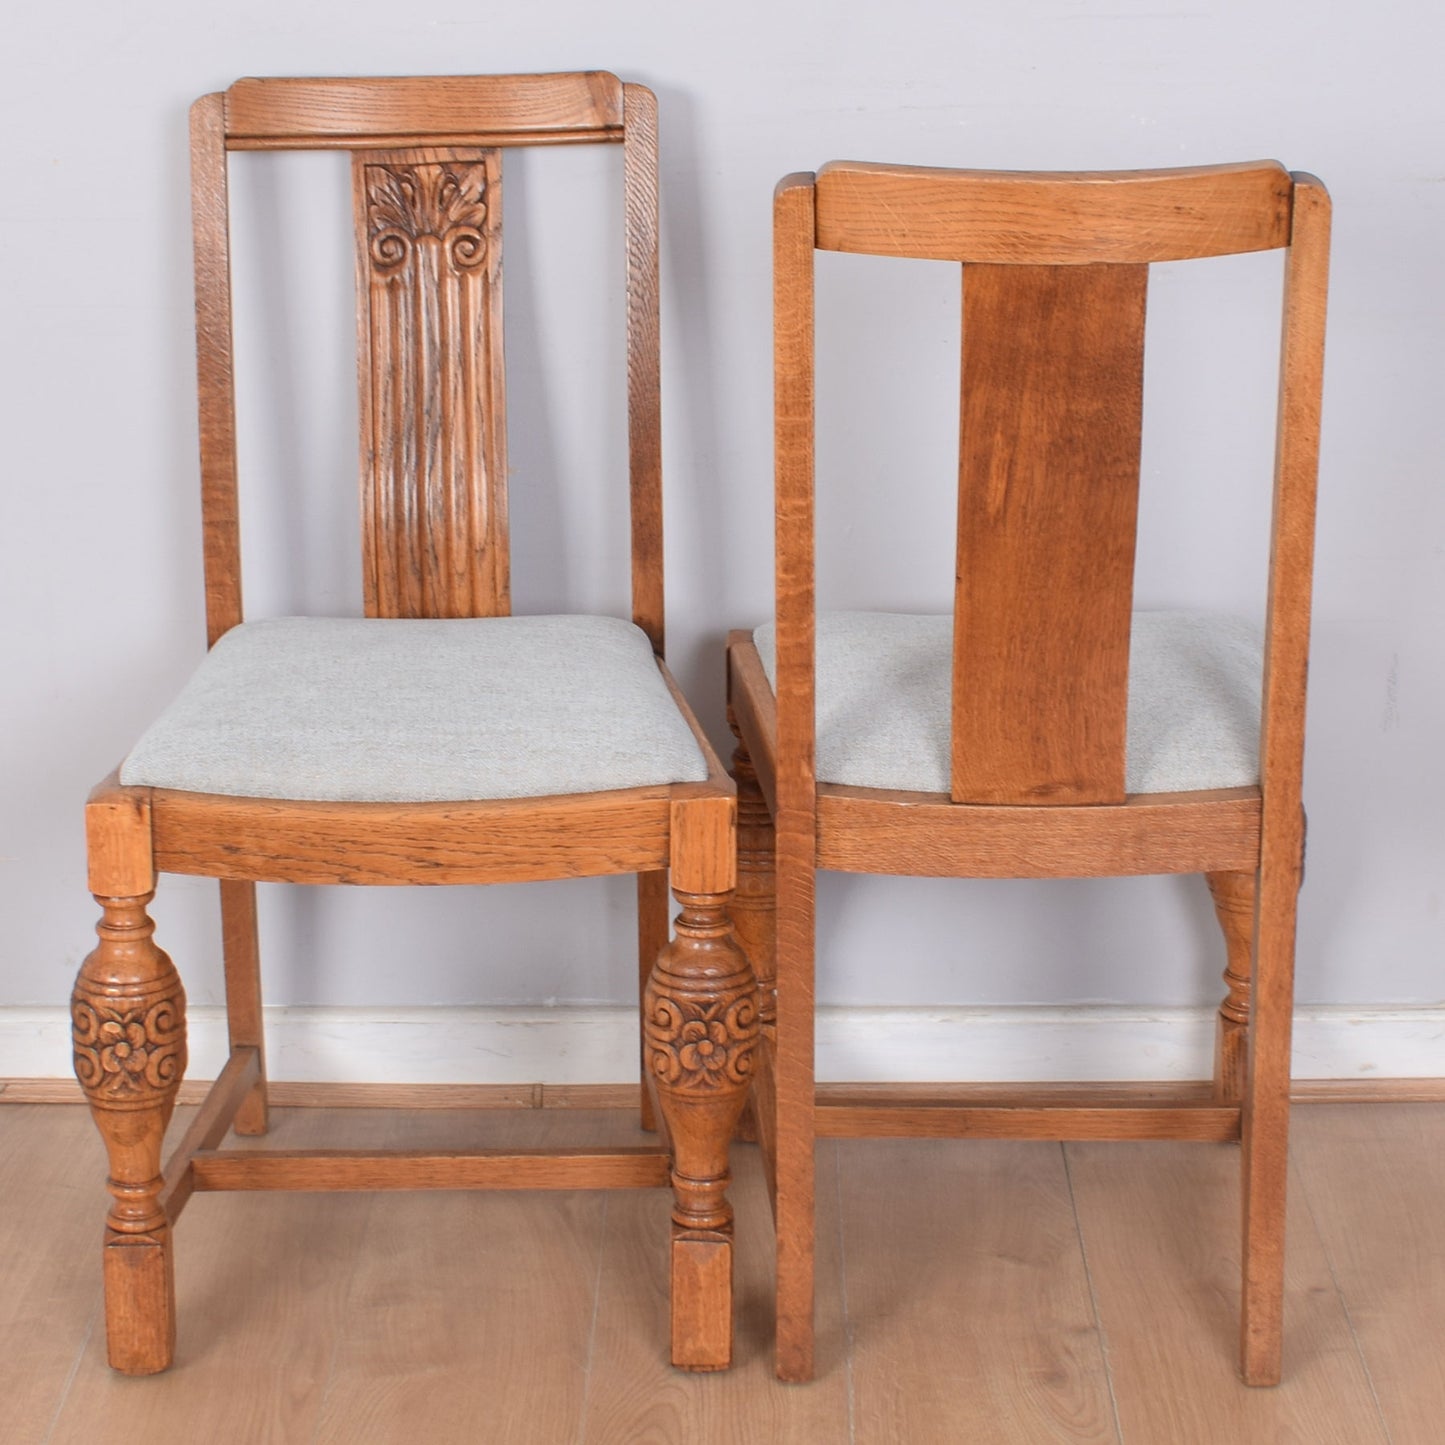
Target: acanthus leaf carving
443, 200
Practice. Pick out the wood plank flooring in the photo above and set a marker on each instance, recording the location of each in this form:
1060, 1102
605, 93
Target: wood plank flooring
968, 1291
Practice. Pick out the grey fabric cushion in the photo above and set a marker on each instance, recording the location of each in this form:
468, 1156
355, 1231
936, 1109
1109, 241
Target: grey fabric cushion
883, 700
382, 710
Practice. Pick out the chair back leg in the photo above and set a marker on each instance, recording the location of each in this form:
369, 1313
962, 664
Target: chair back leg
241, 950
1234, 895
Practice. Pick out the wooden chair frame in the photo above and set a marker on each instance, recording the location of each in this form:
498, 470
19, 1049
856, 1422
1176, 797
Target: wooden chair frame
1047, 801
434, 539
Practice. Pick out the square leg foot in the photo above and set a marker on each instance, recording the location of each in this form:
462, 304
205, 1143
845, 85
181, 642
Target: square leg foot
702, 1302
140, 1303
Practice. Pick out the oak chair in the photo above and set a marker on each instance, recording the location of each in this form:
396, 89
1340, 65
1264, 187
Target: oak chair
1044, 729
435, 740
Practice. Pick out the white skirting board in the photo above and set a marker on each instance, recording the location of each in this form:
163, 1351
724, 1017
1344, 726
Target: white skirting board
598, 1044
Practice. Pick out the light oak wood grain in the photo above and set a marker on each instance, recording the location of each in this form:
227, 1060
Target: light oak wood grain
508, 840
1041, 219
118, 840
644, 359
793, 773
215, 365
1282, 838
1234, 896
431, 382
753, 711
1019, 1117
245, 1027
1053, 387
1054, 283
305, 111
427, 209
208, 1126
370, 1170
878, 830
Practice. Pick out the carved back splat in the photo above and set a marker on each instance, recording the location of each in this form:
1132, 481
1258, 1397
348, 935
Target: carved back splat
429, 344
426, 185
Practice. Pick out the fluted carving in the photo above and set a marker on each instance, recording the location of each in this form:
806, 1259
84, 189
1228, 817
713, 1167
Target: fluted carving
432, 400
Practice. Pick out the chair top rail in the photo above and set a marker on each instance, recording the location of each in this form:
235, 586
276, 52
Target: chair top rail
1060, 218
397, 110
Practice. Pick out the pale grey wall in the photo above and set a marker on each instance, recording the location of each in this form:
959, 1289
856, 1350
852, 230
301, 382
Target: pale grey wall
99, 515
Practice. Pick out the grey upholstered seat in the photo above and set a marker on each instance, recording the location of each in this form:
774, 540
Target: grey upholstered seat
883, 700
385, 710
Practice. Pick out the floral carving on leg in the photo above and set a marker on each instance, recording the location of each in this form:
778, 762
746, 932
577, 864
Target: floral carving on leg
700, 1025
701, 1046
128, 1034
129, 1049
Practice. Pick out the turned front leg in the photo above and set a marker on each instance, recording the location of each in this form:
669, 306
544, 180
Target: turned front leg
1234, 902
701, 1030
128, 1018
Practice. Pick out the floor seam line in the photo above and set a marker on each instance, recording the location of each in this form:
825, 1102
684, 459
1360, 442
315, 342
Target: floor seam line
592, 1329
1099, 1330
1303, 1186
345, 1314
74, 1370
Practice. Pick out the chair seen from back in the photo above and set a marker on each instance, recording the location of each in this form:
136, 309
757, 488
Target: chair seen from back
1045, 728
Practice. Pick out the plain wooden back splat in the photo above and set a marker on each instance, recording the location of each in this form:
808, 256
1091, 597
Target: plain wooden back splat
1053, 384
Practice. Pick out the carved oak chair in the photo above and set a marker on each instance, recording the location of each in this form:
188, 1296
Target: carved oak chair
1044, 729
434, 740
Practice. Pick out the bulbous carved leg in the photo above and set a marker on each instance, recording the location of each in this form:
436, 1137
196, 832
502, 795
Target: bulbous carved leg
128, 1028
701, 1030
754, 911
1234, 899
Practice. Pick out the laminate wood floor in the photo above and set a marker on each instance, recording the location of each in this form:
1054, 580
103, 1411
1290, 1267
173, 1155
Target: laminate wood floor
968, 1291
